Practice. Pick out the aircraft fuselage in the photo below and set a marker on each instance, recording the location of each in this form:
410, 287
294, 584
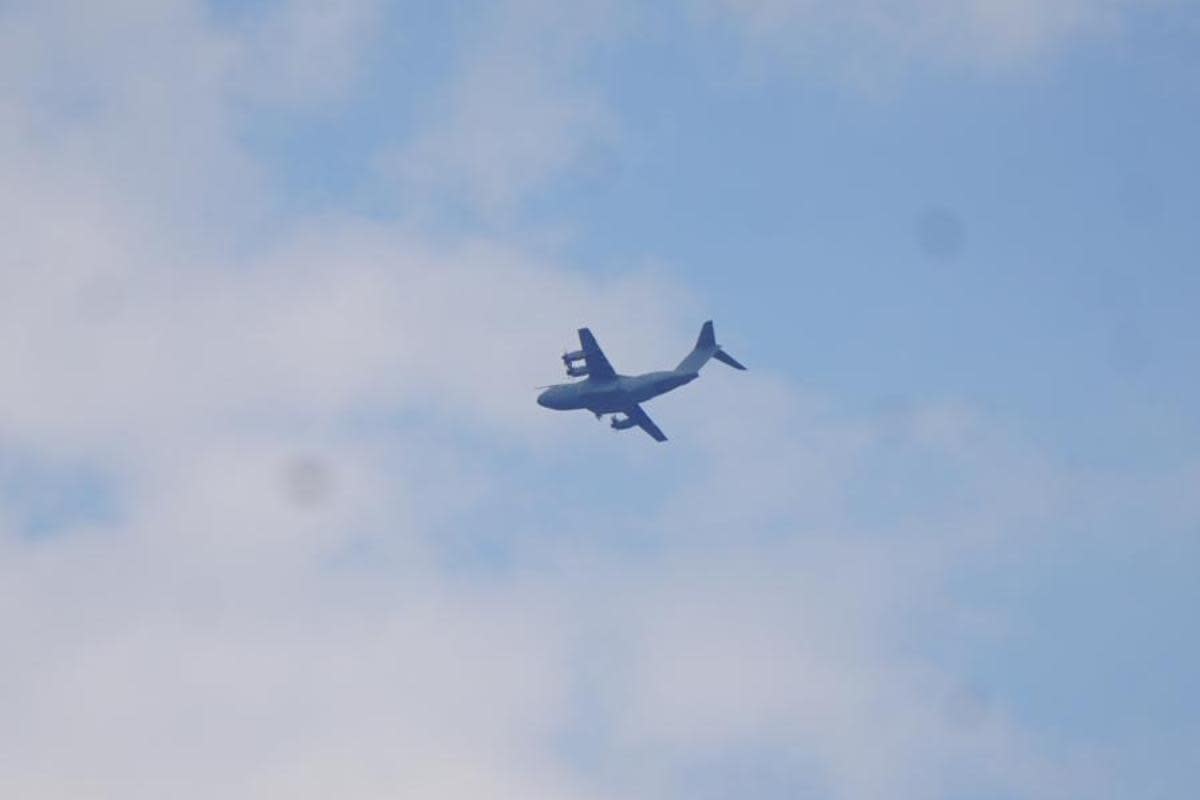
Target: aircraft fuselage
608, 396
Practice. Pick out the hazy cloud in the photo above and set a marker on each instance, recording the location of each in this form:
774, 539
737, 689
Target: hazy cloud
516, 112
300, 438
866, 40
304, 52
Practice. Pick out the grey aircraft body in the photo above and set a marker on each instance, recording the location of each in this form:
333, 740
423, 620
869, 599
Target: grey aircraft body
603, 391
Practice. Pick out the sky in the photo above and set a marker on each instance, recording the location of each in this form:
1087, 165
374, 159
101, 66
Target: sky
279, 516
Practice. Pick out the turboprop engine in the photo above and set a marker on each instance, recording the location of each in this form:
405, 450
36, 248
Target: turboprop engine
576, 363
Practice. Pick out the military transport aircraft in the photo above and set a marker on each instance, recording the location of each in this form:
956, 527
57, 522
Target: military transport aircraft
603, 391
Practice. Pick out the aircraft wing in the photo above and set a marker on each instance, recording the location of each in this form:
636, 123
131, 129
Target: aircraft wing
640, 418
597, 363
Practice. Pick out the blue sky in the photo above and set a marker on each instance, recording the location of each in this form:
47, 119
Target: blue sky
1071, 181
278, 514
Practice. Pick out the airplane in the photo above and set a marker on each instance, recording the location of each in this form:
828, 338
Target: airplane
603, 391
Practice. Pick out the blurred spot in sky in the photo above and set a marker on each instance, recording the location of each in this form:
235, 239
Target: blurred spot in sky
968, 707
1129, 348
102, 299
598, 167
307, 482
940, 234
1141, 199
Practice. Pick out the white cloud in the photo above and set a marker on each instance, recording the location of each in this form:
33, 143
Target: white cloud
516, 112
233, 632
868, 40
771, 646
105, 121
305, 52
130, 101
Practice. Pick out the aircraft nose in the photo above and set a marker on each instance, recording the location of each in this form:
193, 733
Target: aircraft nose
543, 399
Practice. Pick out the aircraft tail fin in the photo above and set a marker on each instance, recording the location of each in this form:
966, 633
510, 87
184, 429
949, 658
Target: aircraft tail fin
706, 348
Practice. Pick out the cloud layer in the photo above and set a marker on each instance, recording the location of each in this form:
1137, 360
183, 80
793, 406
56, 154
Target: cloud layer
868, 40
341, 550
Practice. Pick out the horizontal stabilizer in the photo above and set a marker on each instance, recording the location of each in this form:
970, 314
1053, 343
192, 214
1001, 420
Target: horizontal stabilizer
725, 358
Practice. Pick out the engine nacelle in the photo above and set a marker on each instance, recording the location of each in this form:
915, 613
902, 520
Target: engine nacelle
577, 372
622, 423
574, 355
